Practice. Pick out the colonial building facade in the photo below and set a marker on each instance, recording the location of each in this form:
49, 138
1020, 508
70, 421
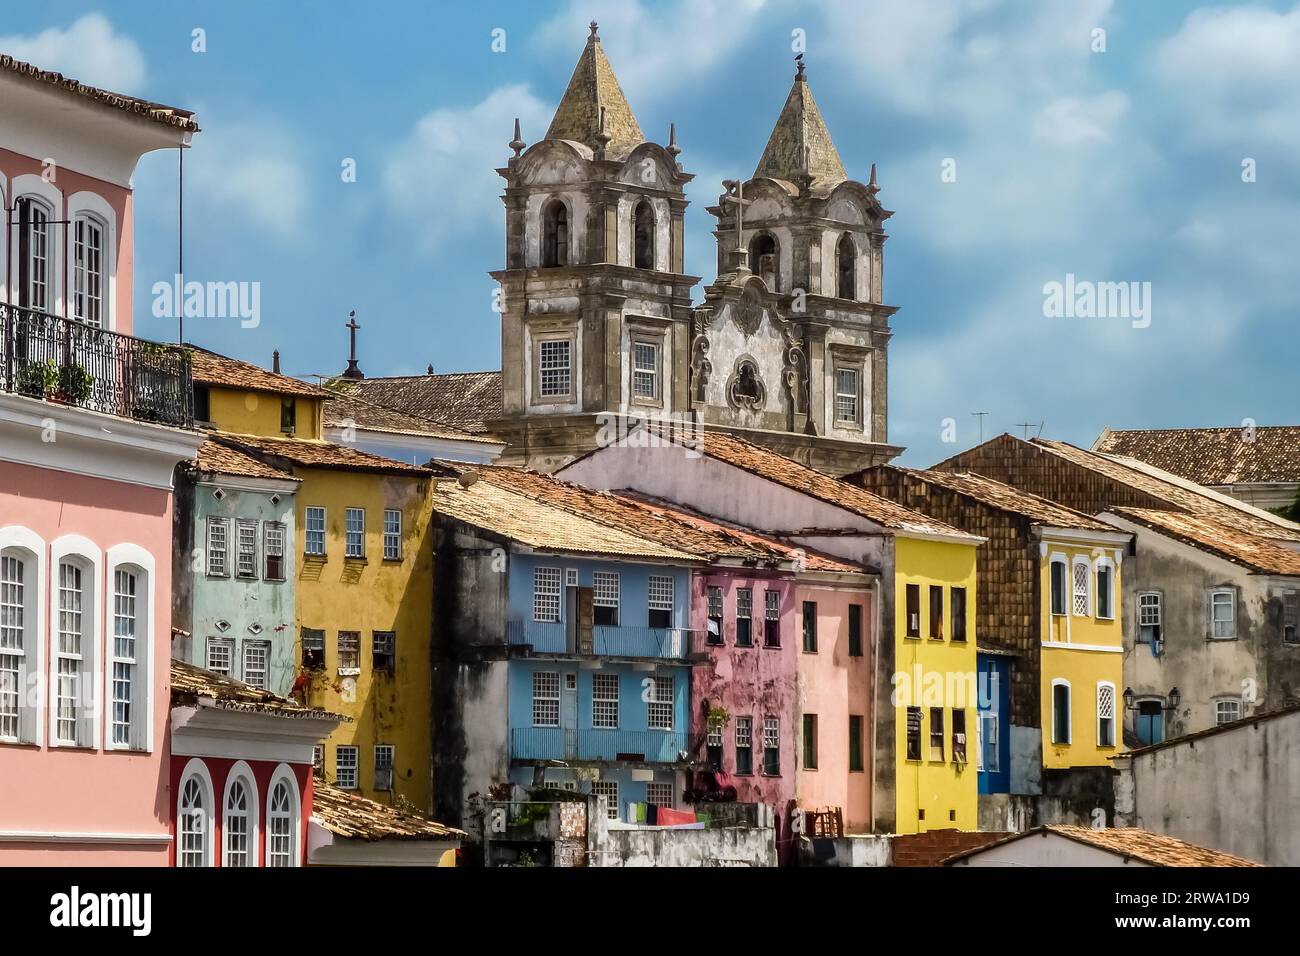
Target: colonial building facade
789, 348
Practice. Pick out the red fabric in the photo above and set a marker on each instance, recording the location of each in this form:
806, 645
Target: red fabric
667, 817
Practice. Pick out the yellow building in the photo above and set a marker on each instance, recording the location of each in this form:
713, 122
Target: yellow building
1081, 675
935, 696
364, 576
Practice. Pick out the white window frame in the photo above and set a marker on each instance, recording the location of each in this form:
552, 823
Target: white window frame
274, 540
391, 752
542, 683
228, 643
284, 776
346, 669
606, 588
246, 549
392, 534
1104, 685
1159, 608
25, 545
661, 703
354, 765
313, 535
604, 701
92, 206
563, 373
241, 773
1085, 579
855, 396
1231, 594
133, 560
546, 592
196, 771
246, 672
1235, 702
218, 547
1069, 713
609, 790
657, 787
642, 347
87, 306
661, 591
1109, 566
85, 553
51, 302
354, 544
1067, 586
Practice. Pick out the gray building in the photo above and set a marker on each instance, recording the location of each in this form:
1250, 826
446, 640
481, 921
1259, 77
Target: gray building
234, 569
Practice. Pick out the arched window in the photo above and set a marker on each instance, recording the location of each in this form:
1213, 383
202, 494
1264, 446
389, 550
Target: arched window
1105, 714
281, 825
73, 649
18, 648
35, 254
126, 655
88, 274
1061, 715
555, 235
764, 260
846, 255
193, 824
643, 226
239, 822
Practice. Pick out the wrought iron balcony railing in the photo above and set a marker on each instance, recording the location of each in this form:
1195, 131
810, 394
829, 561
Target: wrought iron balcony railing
553, 637
565, 743
70, 363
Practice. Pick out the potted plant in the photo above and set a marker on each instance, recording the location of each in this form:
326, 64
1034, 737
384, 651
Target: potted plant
37, 379
73, 385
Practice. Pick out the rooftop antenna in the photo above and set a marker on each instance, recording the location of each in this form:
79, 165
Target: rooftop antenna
980, 416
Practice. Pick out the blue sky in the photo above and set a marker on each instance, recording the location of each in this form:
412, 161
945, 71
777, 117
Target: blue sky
1119, 165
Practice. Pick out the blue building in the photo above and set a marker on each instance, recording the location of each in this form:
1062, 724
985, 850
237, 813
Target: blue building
562, 649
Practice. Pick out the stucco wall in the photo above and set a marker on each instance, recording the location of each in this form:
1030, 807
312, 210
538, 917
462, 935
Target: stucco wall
1237, 790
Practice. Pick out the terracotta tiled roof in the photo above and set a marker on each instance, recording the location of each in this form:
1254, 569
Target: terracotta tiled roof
190, 683
1154, 848
522, 517
354, 817
1004, 497
784, 471
157, 112
1179, 492
218, 459
361, 413
800, 143
1249, 550
459, 399
223, 371
319, 454
1212, 456
593, 87
669, 524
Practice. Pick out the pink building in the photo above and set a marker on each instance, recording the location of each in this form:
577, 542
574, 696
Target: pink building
92, 424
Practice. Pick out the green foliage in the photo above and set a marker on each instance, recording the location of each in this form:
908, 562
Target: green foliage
37, 378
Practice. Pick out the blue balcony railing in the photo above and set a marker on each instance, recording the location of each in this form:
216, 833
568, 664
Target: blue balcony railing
547, 637
563, 743
60, 360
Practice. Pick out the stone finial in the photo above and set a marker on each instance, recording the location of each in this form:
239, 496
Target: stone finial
517, 144
799, 68
594, 37
275, 361
873, 187
602, 137
673, 149
429, 370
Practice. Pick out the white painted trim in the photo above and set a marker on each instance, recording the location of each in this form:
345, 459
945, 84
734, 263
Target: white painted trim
1115, 705
284, 772
270, 486
133, 556
4, 243
76, 546
1079, 536
31, 184
198, 768
241, 771
66, 836
16, 536
1105, 648
1105, 562
94, 206
1069, 708
1209, 599
1080, 559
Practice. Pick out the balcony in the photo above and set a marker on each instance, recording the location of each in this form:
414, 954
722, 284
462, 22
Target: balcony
563, 743
658, 643
69, 363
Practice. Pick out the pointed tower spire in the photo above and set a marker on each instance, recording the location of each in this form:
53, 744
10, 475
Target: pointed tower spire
800, 146
517, 144
593, 89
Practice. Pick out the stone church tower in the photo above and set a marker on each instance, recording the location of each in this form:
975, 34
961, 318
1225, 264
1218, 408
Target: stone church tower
789, 348
596, 312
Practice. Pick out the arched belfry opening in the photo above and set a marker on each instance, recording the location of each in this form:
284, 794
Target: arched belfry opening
846, 258
643, 230
555, 235
764, 260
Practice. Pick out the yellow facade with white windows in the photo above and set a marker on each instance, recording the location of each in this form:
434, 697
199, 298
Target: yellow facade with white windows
935, 694
1082, 651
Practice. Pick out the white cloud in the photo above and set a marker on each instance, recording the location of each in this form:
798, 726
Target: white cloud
88, 51
252, 170
442, 176
1071, 121
1235, 75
